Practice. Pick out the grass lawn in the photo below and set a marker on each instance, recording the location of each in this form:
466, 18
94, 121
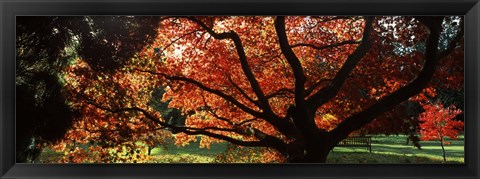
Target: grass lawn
392, 149
187, 154
385, 149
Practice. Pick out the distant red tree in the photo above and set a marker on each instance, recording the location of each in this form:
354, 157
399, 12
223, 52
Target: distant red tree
437, 122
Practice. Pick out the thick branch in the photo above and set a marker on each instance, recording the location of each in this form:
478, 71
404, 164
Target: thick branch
264, 141
293, 61
243, 61
246, 121
212, 112
250, 130
314, 86
282, 91
241, 91
210, 90
356, 121
228, 139
298, 114
322, 96
283, 126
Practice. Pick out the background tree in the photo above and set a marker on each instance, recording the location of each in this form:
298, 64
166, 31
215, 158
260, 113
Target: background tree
173, 116
46, 45
297, 85
438, 122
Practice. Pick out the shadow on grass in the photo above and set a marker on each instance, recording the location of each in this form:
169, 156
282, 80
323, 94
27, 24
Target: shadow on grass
393, 149
192, 148
384, 158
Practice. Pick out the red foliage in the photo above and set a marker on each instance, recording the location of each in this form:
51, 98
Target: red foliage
438, 122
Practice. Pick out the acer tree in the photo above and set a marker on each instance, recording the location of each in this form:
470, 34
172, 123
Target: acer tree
294, 85
437, 122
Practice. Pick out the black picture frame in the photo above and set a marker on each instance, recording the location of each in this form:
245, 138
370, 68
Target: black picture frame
11, 8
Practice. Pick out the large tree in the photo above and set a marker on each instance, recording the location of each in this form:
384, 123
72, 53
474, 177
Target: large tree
296, 85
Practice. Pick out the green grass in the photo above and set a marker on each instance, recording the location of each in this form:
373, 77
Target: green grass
191, 153
385, 149
392, 149
192, 148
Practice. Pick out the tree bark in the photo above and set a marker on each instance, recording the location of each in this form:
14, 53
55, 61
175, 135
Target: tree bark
443, 149
149, 150
311, 152
312, 149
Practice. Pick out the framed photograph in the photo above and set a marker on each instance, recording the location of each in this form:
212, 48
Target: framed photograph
187, 89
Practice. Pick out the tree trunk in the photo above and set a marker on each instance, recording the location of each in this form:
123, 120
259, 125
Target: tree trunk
312, 157
149, 150
317, 157
443, 149
314, 151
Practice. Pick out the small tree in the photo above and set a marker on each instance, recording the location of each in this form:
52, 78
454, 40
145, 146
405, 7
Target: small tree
436, 123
